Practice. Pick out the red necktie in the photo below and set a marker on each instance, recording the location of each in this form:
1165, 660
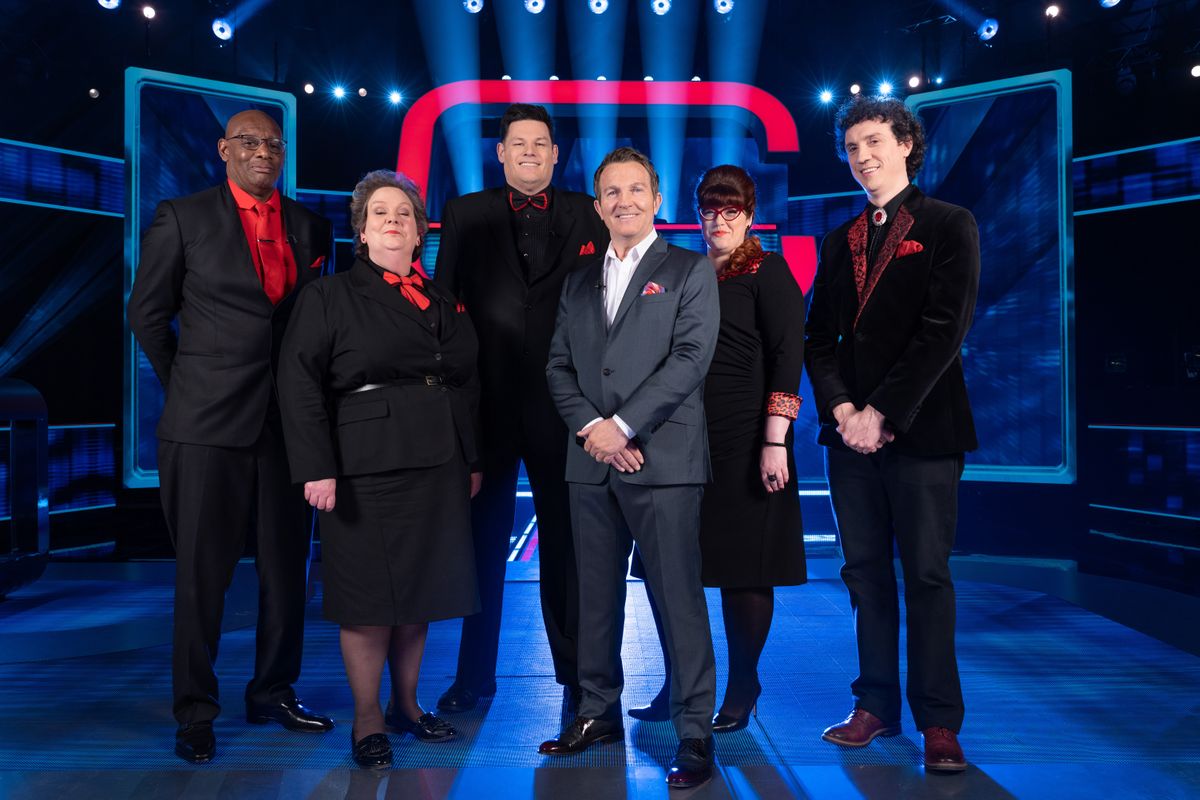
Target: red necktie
270, 254
410, 286
517, 201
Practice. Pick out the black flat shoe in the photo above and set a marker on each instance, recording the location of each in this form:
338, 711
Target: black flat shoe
727, 723
373, 751
291, 714
428, 727
458, 698
658, 710
195, 742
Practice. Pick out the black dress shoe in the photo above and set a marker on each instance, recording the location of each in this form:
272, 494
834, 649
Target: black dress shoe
291, 715
373, 751
659, 709
427, 727
581, 734
195, 742
692, 765
459, 698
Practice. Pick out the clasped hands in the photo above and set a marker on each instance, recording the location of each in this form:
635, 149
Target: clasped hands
604, 441
862, 431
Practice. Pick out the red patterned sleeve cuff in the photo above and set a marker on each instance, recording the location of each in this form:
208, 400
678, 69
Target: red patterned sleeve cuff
783, 404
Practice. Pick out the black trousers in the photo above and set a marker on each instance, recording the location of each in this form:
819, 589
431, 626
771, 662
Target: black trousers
545, 457
665, 523
890, 497
212, 497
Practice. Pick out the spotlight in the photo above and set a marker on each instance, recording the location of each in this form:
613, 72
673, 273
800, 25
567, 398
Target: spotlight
648, 78
148, 12
938, 80
723, 6
535, 6
506, 77
473, 6
553, 77
914, 81
394, 98
1196, 71
855, 88
987, 29
885, 88
339, 92
660, 7
1053, 11
222, 29
826, 96
109, 4
1108, 3
309, 88
598, 6
601, 78
362, 91
695, 79
95, 93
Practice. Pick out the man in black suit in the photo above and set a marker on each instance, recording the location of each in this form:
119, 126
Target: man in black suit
636, 331
892, 302
505, 253
226, 263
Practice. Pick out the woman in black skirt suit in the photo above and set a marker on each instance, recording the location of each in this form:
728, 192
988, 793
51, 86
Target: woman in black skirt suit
379, 397
751, 537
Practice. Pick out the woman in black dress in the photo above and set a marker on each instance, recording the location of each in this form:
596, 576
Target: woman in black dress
379, 397
751, 537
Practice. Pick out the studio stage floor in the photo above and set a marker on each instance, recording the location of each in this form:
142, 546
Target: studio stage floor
1061, 703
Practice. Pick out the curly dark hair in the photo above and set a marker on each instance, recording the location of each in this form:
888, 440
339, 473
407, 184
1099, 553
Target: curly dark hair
626, 155
519, 111
906, 126
382, 179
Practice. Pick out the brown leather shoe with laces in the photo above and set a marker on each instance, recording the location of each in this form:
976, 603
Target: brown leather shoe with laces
859, 729
943, 753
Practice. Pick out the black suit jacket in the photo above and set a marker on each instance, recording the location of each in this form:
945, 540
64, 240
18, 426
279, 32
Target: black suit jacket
196, 267
353, 329
895, 342
514, 317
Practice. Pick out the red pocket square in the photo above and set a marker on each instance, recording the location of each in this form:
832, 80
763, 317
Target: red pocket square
320, 262
460, 308
908, 247
588, 249
652, 288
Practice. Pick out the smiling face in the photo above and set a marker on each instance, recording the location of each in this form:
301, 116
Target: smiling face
528, 155
390, 229
253, 171
627, 203
723, 236
877, 161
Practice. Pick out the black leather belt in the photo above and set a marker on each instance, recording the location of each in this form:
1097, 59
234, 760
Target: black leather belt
425, 380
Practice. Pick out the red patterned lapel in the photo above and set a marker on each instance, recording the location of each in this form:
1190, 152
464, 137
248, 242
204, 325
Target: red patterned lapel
857, 238
900, 228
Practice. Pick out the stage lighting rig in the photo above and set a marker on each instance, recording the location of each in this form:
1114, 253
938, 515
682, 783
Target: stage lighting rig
1052, 11
473, 6
598, 6
535, 6
826, 96
111, 5
222, 29
1109, 3
988, 29
855, 88
148, 12
660, 7
723, 6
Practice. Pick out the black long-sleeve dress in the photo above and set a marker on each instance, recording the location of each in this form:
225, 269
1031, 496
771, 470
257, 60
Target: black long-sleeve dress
748, 537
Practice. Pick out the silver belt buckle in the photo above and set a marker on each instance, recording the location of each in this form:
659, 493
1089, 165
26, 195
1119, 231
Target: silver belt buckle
366, 387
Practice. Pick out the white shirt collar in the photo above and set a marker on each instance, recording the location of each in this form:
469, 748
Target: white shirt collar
635, 253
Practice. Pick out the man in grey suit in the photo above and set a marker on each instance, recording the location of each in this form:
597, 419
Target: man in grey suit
632, 344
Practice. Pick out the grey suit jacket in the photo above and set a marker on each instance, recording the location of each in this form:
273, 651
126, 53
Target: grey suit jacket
648, 367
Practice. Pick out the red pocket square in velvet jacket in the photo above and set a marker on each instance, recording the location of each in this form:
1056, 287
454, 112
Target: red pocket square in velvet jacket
908, 247
320, 262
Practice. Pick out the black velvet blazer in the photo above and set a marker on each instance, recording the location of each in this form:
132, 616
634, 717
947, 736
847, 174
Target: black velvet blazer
893, 341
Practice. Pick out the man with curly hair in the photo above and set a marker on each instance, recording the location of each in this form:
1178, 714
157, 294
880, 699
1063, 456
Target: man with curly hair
892, 302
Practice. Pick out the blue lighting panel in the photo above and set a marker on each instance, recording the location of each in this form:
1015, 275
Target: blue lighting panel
172, 123
50, 177
818, 214
1141, 176
82, 468
1002, 149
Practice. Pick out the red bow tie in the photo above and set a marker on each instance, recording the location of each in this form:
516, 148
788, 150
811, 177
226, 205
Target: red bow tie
517, 201
410, 286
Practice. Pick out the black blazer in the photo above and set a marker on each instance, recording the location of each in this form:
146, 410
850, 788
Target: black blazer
353, 329
898, 347
477, 262
196, 267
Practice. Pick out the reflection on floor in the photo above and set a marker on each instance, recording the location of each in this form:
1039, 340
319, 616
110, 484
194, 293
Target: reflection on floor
1061, 703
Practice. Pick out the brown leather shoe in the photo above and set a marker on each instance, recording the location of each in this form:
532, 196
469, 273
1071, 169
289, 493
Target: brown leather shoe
859, 729
943, 753
581, 734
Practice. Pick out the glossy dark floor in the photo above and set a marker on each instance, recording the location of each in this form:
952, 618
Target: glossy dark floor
1061, 703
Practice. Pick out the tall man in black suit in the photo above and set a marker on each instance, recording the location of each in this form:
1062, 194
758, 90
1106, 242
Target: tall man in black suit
892, 302
504, 253
226, 263
636, 331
